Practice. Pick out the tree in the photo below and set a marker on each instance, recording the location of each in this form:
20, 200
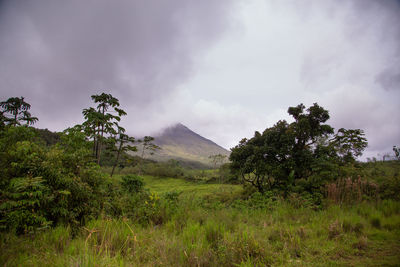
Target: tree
349, 144
14, 111
266, 160
287, 152
100, 121
307, 130
124, 146
2, 120
396, 151
147, 144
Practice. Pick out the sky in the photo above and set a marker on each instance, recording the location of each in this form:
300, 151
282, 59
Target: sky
223, 68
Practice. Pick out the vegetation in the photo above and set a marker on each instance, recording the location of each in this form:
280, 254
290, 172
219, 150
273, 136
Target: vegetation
99, 122
14, 111
147, 144
304, 201
396, 151
305, 150
124, 146
220, 229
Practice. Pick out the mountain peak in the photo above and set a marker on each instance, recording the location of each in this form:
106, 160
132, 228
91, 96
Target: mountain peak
178, 127
179, 142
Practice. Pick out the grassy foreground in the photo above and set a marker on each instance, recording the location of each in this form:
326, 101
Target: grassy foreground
211, 227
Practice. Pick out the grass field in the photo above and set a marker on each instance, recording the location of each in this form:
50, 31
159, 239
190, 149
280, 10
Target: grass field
163, 185
207, 230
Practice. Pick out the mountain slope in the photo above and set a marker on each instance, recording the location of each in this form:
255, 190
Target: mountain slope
181, 143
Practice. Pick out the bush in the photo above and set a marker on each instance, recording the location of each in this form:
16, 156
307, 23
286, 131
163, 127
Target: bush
170, 168
22, 211
44, 186
132, 183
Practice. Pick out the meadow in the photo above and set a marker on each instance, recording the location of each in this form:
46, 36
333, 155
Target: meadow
214, 225
77, 198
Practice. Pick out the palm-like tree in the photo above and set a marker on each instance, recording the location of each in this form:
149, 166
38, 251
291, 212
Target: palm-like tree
100, 121
15, 110
124, 145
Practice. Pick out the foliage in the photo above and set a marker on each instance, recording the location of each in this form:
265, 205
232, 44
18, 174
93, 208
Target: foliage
269, 233
349, 144
147, 144
226, 175
49, 138
132, 183
170, 168
99, 122
396, 151
286, 153
386, 175
22, 207
124, 146
47, 185
14, 111
134, 220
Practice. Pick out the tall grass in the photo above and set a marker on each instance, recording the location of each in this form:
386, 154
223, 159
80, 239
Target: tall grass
197, 234
350, 190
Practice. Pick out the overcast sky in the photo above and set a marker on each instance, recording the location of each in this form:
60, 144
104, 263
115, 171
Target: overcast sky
223, 68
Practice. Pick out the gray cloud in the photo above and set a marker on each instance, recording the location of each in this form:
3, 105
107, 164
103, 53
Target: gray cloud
389, 79
223, 68
58, 53
290, 52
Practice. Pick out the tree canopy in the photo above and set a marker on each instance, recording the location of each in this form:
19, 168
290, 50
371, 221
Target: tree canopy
287, 152
15, 111
100, 121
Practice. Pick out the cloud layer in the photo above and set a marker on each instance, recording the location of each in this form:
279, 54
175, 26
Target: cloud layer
344, 56
223, 68
59, 53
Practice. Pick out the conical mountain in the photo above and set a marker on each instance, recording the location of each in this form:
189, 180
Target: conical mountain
180, 143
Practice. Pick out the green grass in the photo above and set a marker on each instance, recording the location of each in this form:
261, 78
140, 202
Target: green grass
163, 185
206, 230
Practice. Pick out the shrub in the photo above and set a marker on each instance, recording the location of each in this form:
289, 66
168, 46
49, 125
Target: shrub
42, 186
132, 183
22, 211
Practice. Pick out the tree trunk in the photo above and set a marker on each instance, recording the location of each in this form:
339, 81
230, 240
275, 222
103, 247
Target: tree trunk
116, 161
101, 140
94, 142
141, 160
97, 135
15, 118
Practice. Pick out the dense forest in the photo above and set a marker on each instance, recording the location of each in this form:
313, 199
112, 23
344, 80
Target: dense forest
293, 195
